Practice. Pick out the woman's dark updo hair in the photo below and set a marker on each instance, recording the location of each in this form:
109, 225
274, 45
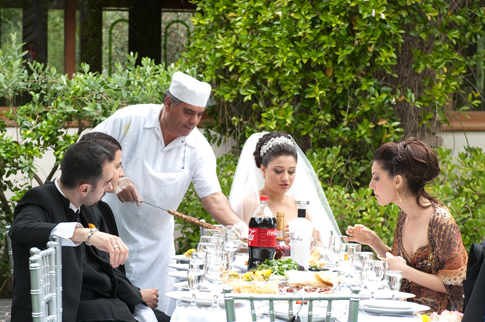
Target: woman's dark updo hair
414, 160
275, 151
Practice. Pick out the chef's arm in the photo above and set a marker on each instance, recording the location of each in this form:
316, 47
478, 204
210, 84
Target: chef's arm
218, 206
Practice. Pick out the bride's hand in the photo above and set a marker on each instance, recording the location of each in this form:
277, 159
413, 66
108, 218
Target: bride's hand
361, 234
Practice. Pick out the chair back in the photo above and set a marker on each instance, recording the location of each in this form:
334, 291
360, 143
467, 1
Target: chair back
229, 298
46, 282
9, 248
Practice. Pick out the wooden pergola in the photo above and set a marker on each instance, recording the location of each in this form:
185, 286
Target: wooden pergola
145, 21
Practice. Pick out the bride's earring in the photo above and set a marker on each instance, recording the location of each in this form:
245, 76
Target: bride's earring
398, 197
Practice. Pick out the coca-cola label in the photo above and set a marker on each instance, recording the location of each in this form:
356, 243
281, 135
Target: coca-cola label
261, 237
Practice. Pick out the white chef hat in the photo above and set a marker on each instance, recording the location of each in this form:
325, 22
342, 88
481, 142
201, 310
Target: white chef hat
189, 90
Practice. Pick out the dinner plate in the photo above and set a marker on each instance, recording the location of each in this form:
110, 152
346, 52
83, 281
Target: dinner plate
203, 298
388, 304
393, 310
180, 258
180, 275
185, 286
386, 295
319, 312
179, 267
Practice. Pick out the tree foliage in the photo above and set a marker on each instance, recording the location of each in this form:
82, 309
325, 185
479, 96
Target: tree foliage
348, 73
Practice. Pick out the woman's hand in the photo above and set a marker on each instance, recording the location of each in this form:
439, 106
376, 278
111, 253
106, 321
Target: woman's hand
396, 263
361, 234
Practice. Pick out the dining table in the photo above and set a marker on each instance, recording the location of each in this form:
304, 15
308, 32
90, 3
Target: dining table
243, 314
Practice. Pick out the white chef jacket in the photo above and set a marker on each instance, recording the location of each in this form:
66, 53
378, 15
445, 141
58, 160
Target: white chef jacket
162, 175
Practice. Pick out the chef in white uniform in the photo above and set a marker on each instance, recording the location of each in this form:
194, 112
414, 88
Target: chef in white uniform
163, 151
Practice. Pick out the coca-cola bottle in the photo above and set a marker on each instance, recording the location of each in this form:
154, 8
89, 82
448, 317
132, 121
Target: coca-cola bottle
262, 235
281, 248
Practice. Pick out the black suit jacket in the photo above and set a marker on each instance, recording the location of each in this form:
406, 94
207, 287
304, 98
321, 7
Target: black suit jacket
474, 285
37, 213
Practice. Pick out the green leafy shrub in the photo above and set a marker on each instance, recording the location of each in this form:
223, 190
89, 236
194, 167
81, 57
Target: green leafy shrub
334, 73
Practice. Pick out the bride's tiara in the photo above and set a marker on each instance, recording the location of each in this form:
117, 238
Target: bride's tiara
275, 141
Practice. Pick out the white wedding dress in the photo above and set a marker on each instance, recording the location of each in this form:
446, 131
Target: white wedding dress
248, 180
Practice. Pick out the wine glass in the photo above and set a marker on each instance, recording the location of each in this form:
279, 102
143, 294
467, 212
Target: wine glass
231, 245
195, 277
394, 279
370, 277
215, 267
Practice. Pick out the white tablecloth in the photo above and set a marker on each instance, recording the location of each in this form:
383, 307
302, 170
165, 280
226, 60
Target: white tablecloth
243, 314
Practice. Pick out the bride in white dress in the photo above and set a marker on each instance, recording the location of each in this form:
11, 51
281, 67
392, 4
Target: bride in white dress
272, 164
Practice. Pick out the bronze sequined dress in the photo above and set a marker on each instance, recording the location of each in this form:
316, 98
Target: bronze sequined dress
444, 256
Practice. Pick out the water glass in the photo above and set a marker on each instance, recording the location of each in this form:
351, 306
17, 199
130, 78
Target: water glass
197, 261
360, 258
371, 277
215, 267
195, 277
394, 279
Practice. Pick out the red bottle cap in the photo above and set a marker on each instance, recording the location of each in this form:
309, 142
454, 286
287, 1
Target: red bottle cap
263, 198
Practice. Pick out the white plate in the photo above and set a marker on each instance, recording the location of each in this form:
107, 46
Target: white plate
240, 262
388, 304
184, 286
203, 298
414, 308
179, 267
180, 275
278, 277
319, 312
386, 295
180, 258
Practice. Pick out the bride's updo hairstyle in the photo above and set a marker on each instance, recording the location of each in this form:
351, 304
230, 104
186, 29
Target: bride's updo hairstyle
273, 145
414, 160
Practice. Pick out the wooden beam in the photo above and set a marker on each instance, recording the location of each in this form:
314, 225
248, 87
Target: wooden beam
70, 37
465, 121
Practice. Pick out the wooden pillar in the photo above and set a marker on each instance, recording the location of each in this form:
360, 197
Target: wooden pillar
145, 29
91, 42
70, 37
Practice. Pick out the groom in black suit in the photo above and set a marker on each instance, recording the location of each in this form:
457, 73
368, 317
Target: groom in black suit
92, 289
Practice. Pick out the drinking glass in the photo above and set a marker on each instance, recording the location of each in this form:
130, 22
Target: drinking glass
231, 245
394, 279
197, 261
213, 276
205, 247
195, 277
360, 258
370, 277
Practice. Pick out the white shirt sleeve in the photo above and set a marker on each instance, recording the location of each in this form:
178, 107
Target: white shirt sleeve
65, 230
143, 313
205, 177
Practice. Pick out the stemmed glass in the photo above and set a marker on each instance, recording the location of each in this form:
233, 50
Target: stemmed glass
215, 267
231, 246
195, 277
370, 277
394, 279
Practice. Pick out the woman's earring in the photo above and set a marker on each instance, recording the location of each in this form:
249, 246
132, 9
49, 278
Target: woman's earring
398, 198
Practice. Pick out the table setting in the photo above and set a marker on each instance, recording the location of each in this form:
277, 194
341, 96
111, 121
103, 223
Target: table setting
219, 261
